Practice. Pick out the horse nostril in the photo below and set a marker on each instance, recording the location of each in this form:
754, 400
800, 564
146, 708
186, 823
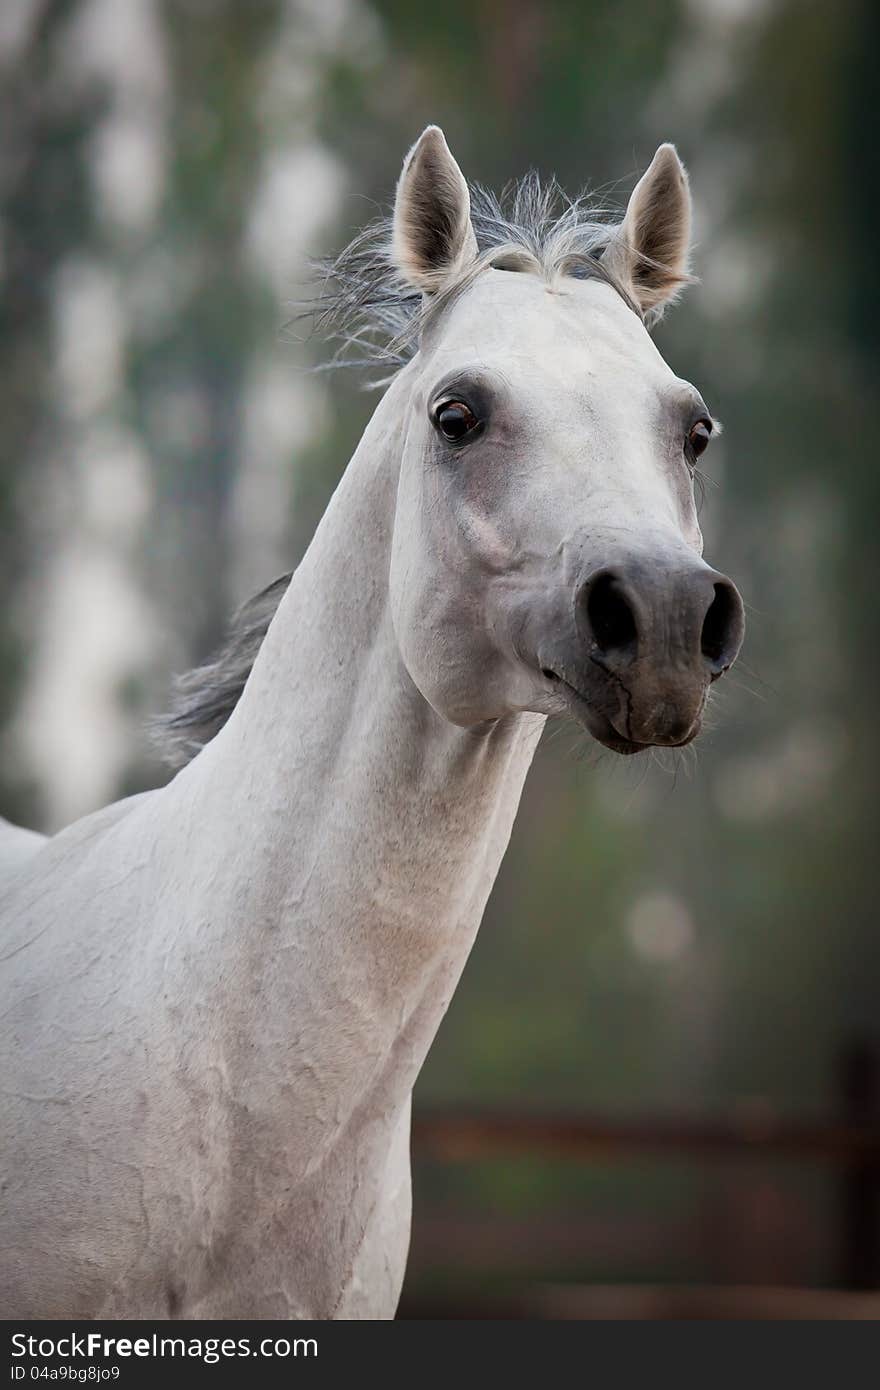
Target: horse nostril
610, 616
722, 628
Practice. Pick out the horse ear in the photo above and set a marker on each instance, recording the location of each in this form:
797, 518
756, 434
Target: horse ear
432, 234
651, 250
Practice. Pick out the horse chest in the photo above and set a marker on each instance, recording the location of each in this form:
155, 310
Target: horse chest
330, 1245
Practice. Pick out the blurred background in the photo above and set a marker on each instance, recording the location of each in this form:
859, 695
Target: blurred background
657, 1074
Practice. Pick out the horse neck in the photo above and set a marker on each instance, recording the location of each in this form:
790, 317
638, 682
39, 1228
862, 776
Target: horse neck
359, 833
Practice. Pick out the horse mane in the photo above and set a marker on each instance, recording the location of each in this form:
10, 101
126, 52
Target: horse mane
376, 320
203, 699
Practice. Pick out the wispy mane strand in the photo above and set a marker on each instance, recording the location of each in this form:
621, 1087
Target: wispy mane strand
376, 319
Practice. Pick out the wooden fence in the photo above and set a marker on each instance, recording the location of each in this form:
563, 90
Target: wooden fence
848, 1144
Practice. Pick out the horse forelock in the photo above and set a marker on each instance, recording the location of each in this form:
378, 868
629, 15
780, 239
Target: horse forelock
376, 319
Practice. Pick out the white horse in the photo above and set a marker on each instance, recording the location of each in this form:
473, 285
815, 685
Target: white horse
220, 993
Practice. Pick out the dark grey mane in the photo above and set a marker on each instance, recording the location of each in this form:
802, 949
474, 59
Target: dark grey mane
376, 320
204, 698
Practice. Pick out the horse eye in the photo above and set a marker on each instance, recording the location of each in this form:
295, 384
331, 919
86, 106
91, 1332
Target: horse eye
699, 436
454, 420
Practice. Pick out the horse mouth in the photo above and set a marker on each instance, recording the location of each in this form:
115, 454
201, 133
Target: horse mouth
617, 744
600, 727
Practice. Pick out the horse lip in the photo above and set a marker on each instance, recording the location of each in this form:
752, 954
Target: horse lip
601, 727
597, 724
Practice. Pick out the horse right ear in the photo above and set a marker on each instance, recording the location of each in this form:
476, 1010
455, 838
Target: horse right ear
652, 245
432, 234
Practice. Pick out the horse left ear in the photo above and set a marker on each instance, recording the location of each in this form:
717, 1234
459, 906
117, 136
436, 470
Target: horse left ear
432, 235
651, 250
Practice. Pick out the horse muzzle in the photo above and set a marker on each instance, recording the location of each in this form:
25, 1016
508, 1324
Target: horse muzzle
650, 637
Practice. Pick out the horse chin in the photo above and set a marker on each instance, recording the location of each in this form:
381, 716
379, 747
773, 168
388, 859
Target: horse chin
605, 733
